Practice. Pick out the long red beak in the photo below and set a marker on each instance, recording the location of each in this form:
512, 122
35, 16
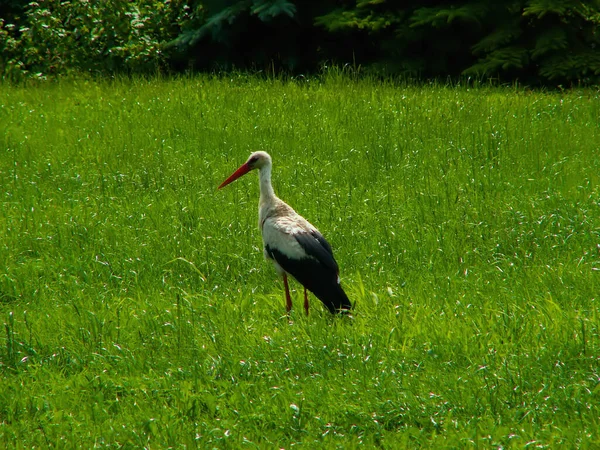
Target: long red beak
243, 170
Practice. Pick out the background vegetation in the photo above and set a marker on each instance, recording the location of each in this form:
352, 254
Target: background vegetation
550, 42
137, 309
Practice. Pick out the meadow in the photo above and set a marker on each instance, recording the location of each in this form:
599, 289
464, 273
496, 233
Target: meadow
138, 310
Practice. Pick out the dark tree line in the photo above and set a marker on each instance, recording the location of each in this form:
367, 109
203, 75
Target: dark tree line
535, 41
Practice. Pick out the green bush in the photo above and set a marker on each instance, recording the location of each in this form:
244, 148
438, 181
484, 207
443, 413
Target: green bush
59, 37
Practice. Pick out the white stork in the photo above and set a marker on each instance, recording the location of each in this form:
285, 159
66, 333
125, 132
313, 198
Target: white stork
294, 245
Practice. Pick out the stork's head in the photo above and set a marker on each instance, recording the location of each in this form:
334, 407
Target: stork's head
257, 160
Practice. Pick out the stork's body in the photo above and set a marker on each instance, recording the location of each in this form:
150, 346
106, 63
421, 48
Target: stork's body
294, 245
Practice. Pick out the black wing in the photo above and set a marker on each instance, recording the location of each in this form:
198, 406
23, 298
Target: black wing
315, 245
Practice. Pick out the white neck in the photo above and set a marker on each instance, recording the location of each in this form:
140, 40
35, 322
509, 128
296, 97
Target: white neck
266, 189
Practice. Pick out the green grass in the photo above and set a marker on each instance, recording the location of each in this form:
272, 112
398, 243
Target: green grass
138, 309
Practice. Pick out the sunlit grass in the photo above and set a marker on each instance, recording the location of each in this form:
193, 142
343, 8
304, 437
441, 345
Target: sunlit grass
138, 309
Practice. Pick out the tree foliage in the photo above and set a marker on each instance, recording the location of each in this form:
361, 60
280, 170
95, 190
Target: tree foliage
556, 40
257, 34
547, 41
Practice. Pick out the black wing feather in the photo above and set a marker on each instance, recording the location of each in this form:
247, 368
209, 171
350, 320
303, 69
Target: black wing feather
315, 245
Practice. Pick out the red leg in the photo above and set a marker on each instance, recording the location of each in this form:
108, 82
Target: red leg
305, 301
288, 299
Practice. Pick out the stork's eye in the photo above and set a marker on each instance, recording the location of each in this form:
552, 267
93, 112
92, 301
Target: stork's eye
253, 159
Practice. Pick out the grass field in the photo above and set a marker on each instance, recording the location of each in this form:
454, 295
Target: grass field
138, 310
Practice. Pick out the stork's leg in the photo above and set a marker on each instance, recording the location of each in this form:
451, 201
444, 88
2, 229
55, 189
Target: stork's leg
288, 299
305, 301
